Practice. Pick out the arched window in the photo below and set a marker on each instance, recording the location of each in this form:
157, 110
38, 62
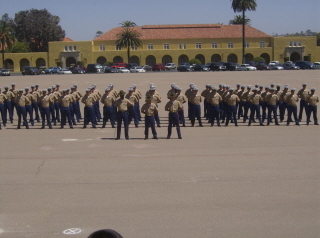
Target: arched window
215, 58
101, 60
233, 58
200, 58
295, 56
40, 62
183, 59
248, 57
24, 62
134, 59
150, 60
70, 61
8, 64
166, 59
118, 59
266, 57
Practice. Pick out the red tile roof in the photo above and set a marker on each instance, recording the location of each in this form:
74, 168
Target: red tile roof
67, 39
187, 31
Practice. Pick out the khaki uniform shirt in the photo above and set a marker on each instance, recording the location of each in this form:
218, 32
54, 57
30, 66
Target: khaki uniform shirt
272, 99
31, 99
22, 100
264, 94
232, 100
45, 101
65, 101
9, 95
156, 93
107, 100
292, 100
155, 99
313, 99
303, 94
76, 96
15, 93
36, 95
173, 106
114, 93
255, 99
220, 91
214, 99
3, 98
122, 105
169, 92
182, 99
245, 96
39, 92
205, 93
195, 99
188, 92
283, 96
80, 95
87, 100
133, 99
138, 94
149, 109
240, 93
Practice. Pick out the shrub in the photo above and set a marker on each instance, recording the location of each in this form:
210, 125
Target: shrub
194, 61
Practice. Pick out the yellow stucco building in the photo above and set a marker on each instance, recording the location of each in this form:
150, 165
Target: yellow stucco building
173, 44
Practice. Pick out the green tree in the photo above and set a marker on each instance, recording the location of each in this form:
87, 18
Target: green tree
128, 24
243, 6
194, 61
36, 28
18, 47
128, 38
239, 20
258, 59
7, 38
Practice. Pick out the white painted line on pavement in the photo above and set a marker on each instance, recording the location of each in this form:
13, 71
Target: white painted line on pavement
69, 139
72, 231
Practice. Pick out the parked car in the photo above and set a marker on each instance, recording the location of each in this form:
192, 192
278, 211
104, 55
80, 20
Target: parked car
234, 67
5, 72
42, 69
263, 66
305, 65
317, 64
158, 67
273, 63
117, 65
290, 66
131, 65
216, 66
137, 69
52, 70
77, 70
249, 67
147, 67
109, 69
123, 70
94, 68
277, 67
64, 71
200, 67
170, 66
184, 68
30, 70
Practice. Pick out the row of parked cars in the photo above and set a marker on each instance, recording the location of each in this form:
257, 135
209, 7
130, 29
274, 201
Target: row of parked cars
185, 67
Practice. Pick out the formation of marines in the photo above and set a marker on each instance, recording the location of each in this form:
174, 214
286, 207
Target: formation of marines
221, 105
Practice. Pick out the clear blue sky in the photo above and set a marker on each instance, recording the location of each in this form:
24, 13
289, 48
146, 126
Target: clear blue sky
82, 18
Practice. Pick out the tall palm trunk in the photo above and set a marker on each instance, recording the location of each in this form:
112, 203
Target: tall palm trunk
2, 51
243, 36
128, 54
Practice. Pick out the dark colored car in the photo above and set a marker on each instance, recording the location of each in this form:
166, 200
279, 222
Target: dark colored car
233, 66
30, 70
158, 67
77, 70
94, 68
184, 68
131, 65
262, 66
305, 64
290, 66
200, 67
108, 69
216, 66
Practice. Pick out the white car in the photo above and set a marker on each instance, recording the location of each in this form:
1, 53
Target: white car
249, 67
317, 64
170, 66
277, 67
272, 63
123, 70
137, 69
64, 71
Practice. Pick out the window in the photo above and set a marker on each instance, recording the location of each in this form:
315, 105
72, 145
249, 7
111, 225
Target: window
294, 43
66, 48
166, 46
214, 45
246, 44
198, 45
70, 47
74, 48
102, 47
230, 44
150, 46
118, 47
290, 43
134, 48
299, 43
182, 46
262, 44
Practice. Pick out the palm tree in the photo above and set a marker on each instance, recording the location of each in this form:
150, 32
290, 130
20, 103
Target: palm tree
243, 6
7, 38
239, 20
128, 24
128, 38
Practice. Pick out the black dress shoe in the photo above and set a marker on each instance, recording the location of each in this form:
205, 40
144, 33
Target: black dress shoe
261, 124
168, 137
127, 138
42, 127
146, 138
180, 137
117, 139
156, 138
